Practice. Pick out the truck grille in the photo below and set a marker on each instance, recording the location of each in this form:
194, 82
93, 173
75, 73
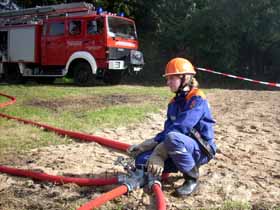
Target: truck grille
119, 54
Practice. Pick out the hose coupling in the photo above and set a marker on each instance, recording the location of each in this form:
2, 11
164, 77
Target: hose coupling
153, 180
134, 180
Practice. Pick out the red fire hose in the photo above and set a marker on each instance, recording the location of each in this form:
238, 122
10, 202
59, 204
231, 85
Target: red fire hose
58, 179
161, 205
164, 177
73, 134
80, 181
77, 135
13, 100
116, 192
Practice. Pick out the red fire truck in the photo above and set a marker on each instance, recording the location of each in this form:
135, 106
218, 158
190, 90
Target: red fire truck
72, 40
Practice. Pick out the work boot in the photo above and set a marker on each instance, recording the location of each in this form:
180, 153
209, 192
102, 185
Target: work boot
190, 184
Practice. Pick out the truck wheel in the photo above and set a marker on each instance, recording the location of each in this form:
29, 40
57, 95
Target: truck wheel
112, 77
83, 75
12, 74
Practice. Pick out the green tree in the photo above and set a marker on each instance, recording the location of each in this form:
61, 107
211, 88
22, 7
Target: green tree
221, 34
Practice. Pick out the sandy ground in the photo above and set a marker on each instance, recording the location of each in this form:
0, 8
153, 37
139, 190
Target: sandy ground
246, 168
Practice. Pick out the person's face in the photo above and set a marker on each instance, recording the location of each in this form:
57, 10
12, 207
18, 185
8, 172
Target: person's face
173, 82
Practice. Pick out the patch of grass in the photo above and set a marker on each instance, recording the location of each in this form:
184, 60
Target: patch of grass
17, 137
234, 205
120, 115
119, 207
3, 100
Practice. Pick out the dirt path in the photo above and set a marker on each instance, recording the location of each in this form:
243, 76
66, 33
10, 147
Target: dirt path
247, 167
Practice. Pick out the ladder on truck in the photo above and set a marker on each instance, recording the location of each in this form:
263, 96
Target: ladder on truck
33, 15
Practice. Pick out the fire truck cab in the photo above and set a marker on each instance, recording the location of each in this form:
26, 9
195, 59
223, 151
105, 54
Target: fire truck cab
71, 40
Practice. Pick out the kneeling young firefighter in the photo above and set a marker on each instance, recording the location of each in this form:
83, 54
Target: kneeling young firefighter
187, 141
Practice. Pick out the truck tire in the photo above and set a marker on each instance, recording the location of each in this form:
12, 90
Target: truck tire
12, 74
112, 77
83, 75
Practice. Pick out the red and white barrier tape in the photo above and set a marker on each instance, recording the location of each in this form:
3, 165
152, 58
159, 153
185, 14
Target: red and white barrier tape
241, 78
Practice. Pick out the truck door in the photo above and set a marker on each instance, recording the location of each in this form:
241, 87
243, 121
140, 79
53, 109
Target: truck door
75, 37
95, 40
53, 43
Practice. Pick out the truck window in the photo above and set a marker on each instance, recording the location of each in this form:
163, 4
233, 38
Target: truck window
121, 28
95, 26
56, 29
75, 27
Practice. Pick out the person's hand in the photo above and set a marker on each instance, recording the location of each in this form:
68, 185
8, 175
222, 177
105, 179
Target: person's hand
155, 163
135, 149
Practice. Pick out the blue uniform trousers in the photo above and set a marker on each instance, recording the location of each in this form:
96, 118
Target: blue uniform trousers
183, 154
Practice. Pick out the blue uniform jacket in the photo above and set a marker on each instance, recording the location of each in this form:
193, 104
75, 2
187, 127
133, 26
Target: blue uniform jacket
186, 111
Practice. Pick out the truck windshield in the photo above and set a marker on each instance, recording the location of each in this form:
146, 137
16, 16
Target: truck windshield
121, 28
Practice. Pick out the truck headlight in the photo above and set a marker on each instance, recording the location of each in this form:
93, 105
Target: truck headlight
136, 57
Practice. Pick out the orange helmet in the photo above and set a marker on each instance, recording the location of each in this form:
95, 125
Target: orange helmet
179, 66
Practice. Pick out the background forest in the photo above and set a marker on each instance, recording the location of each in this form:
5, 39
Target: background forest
231, 36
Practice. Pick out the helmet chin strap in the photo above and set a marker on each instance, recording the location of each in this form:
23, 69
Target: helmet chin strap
183, 85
